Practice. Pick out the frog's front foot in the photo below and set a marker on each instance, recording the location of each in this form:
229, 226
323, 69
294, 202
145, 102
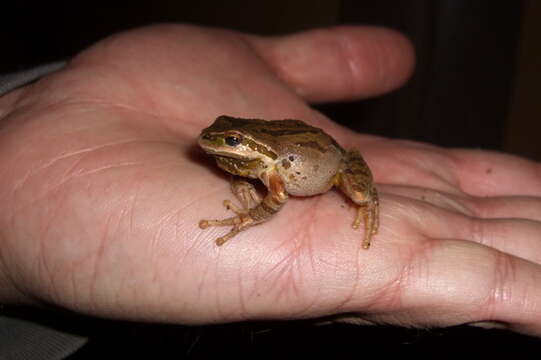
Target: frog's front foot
248, 197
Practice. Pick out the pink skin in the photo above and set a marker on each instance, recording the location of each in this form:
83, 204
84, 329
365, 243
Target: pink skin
102, 188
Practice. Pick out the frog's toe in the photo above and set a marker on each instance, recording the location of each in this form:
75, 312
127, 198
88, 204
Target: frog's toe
237, 210
203, 224
223, 239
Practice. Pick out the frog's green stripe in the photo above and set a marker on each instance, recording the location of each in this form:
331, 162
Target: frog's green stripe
285, 132
311, 144
259, 148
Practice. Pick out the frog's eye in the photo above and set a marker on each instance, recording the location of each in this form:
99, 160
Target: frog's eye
233, 140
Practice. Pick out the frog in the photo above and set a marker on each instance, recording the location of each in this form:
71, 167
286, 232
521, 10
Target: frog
290, 158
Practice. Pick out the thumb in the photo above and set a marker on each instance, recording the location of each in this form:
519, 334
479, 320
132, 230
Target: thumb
339, 63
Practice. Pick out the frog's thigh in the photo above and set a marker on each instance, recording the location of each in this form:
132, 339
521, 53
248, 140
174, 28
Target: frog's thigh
355, 180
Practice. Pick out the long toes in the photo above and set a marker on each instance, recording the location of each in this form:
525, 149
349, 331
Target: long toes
203, 224
221, 240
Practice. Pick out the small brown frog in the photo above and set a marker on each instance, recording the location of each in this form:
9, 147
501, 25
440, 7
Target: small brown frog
290, 157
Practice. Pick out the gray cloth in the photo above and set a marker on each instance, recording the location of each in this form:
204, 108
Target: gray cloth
12, 81
21, 339
24, 340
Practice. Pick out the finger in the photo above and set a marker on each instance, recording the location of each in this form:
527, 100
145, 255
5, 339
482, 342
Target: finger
515, 207
339, 63
518, 237
441, 199
484, 173
498, 207
463, 282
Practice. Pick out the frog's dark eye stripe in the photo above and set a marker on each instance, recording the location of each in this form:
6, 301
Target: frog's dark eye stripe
233, 140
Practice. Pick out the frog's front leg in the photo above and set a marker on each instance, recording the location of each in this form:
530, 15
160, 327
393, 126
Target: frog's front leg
247, 195
355, 180
247, 217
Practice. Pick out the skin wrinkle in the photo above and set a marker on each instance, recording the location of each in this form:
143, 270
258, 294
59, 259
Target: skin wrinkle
490, 207
127, 213
43, 267
427, 176
155, 260
416, 153
476, 231
50, 274
14, 117
200, 285
456, 158
281, 273
350, 296
448, 201
220, 309
300, 244
499, 296
92, 293
438, 173
285, 276
76, 175
454, 203
66, 156
307, 245
243, 311
55, 187
44, 271
138, 110
451, 202
391, 295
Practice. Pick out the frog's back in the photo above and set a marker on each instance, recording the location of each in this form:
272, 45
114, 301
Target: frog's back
283, 135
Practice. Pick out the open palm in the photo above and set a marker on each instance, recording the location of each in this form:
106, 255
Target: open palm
102, 188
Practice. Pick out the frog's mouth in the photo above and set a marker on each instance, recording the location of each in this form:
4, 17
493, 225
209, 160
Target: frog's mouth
238, 166
226, 155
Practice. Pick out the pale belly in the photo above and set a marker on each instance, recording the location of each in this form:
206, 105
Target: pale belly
302, 179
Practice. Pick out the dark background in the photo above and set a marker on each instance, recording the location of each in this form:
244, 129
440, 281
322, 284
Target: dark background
475, 86
475, 83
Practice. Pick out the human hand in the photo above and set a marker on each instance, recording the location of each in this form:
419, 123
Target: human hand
102, 190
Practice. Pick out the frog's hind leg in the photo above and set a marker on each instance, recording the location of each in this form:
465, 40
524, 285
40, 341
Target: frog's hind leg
355, 181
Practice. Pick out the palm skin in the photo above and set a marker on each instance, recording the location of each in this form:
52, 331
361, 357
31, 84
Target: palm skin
102, 189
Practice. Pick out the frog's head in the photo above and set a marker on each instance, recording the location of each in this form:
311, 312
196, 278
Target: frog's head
235, 145
236, 138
